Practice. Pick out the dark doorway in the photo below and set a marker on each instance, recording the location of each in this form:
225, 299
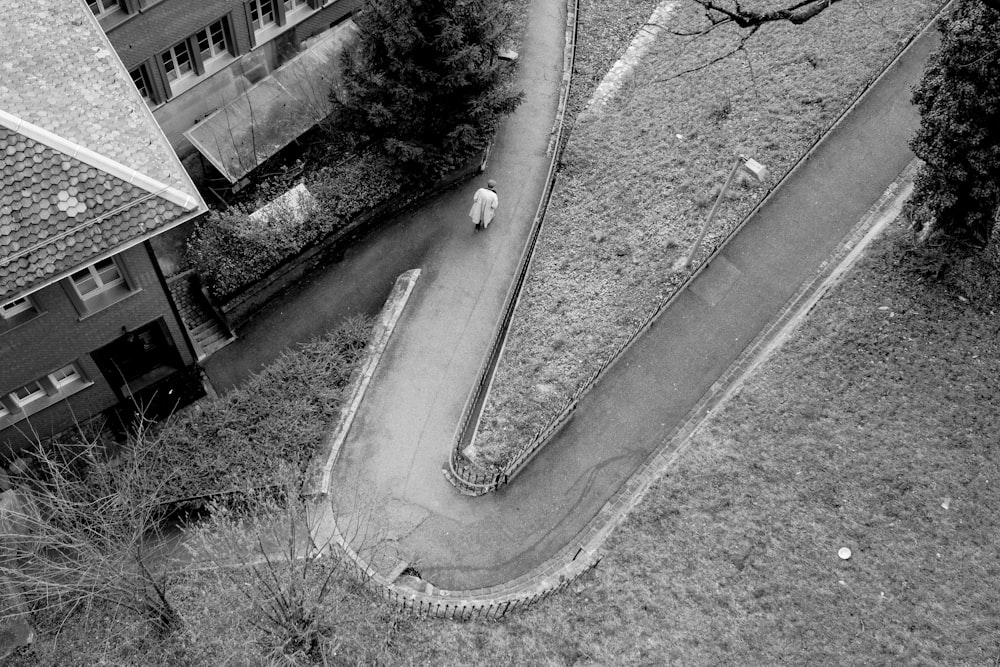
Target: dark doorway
138, 359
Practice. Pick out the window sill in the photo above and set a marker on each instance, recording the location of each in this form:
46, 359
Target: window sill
104, 306
191, 81
13, 324
41, 404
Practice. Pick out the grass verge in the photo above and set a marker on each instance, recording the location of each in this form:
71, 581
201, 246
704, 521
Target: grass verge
873, 428
636, 180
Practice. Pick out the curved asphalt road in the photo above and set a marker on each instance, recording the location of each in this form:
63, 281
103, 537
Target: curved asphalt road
403, 431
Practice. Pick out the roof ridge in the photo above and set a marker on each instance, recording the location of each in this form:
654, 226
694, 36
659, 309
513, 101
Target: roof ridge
97, 161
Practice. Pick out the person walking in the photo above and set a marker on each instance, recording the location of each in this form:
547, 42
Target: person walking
484, 205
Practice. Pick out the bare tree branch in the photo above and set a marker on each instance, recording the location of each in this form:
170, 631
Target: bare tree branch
797, 13
720, 11
744, 38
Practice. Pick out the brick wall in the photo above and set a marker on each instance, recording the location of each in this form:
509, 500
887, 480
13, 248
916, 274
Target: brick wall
326, 17
151, 31
58, 336
157, 28
141, 37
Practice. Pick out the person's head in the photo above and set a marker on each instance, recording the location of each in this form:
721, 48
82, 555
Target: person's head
491, 184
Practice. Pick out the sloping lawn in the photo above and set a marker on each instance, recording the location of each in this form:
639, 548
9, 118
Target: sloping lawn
874, 428
636, 181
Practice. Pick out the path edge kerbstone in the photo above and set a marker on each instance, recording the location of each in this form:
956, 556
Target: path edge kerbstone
583, 553
321, 466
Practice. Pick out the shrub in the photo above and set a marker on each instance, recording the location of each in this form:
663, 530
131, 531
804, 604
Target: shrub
77, 533
424, 81
278, 417
956, 194
300, 590
231, 250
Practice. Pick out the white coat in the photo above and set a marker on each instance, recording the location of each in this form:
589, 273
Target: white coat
484, 205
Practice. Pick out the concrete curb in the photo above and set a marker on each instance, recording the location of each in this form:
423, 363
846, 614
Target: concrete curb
485, 603
322, 463
581, 553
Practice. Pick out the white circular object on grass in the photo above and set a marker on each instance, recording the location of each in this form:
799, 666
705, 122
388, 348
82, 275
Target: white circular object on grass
844, 553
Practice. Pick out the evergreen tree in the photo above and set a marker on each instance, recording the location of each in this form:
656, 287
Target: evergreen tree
957, 191
423, 80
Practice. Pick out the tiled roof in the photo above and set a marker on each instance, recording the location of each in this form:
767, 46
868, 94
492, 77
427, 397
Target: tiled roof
58, 212
85, 168
59, 71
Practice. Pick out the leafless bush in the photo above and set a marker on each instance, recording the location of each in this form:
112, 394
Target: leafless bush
302, 589
80, 531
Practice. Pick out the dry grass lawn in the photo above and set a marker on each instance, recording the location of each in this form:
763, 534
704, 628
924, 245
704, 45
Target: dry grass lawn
636, 181
873, 428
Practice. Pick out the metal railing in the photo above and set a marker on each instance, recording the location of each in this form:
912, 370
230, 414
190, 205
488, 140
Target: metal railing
466, 477
476, 480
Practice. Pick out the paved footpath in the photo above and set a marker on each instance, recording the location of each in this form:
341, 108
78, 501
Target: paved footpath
403, 431
391, 462
404, 428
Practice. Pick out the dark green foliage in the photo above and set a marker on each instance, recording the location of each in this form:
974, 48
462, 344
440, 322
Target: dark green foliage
277, 418
957, 191
424, 81
230, 253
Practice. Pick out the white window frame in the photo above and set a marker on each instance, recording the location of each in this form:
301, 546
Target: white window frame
10, 309
51, 388
66, 375
104, 8
173, 74
140, 78
95, 272
257, 9
106, 292
293, 7
32, 396
215, 50
203, 63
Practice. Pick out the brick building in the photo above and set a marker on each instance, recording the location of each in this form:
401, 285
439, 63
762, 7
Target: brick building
216, 72
88, 179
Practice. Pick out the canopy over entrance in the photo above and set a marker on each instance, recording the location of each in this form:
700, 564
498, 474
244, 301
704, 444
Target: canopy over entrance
271, 114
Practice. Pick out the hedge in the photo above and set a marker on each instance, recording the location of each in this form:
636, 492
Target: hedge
229, 250
278, 417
